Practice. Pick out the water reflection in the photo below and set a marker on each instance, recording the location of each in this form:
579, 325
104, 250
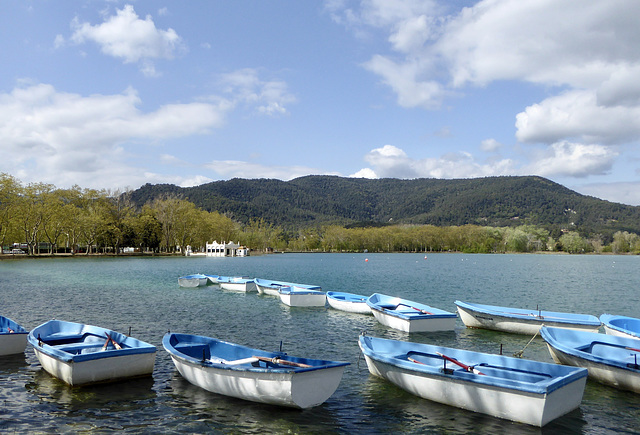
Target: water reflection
231, 414
391, 403
115, 395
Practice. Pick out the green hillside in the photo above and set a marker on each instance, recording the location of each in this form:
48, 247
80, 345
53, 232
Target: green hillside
319, 200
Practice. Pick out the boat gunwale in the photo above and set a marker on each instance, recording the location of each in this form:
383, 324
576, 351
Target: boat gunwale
530, 316
607, 320
247, 367
134, 345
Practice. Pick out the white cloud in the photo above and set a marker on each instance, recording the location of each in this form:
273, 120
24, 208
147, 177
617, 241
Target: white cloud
573, 159
125, 36
406, 81
577, 114
393, 162
241, 169
490, 145
622, 192
269, 97
67, 139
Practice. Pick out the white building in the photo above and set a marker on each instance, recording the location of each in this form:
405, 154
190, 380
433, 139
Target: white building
225, 249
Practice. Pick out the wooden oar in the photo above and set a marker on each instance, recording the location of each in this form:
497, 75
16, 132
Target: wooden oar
633, 349
464, 366
277, 360
109, 339
234, 362
422, 311
415, 361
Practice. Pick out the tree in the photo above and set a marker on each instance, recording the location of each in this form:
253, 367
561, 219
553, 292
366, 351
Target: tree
30, 213
573, 243
10, 190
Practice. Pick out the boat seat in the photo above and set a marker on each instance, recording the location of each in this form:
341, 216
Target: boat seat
71, 347
62, 338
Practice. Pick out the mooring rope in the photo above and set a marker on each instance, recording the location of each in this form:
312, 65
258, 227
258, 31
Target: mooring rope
519, 353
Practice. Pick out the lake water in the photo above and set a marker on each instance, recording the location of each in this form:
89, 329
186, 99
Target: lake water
143, 294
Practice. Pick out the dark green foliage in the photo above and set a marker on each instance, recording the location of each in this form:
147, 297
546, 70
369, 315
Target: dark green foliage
312, 201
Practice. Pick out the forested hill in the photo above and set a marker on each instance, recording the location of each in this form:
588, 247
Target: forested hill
318, 200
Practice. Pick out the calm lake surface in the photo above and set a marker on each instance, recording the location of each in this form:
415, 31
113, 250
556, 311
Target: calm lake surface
143, 294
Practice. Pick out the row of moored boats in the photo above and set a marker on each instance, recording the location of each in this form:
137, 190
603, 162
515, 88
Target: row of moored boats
536, 392
516, 389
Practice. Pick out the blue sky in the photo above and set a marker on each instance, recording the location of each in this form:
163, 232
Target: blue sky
115, 94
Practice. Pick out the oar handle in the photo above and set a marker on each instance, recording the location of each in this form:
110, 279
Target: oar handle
109, 339
422, 311
464, 366
277, 360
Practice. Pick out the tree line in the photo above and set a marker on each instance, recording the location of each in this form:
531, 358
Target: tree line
90, 221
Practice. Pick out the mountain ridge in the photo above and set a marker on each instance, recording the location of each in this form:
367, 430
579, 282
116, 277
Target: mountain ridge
322, 200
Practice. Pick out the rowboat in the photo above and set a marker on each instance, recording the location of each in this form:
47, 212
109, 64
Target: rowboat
610, 360
349, 302
237, 283
302, 297
268, 287
409, 316
521, 321
520, 390
195, 280
251, 374
621, 326
272, 288
13, 337
82, 354
213, 279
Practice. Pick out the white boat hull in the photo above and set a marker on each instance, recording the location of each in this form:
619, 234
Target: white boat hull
297, 390
351, 307
193, 282
616, 333
98, 370
417, 324
303, 300
524, 325
12, 343
603, 373
266, 290
529, 408
243, 287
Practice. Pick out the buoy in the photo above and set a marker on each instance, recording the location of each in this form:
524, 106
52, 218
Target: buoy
366, 259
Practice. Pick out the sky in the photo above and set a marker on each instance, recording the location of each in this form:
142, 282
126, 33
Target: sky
116, 94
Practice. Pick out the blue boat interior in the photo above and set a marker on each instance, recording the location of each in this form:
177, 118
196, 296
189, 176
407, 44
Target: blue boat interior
509, 373
8, 326
611, 351
77, 344
626, 323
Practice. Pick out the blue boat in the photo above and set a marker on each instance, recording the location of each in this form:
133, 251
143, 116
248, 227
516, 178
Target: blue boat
237, 283
252, 374
13, 337
521, 321
213, 279
621, 326
610, 360
349, 302
271, 287
295, 296
520, 390
409, 316
84, 354
194, 280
